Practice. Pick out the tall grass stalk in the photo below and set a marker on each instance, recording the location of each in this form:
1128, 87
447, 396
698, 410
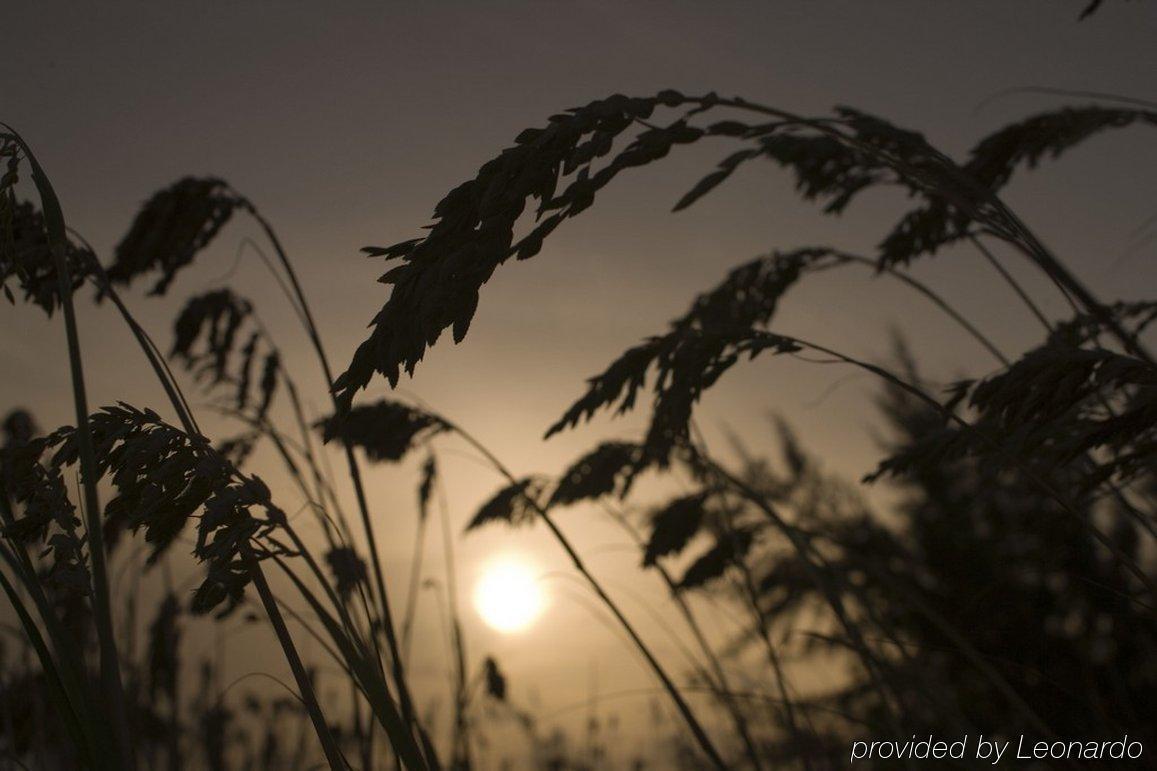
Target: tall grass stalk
763, 629
188, 421
461, 754
328, 744
716, 679
412, 591
759, 618
110, 675
72, 705
305, 686
355, 477
700, 735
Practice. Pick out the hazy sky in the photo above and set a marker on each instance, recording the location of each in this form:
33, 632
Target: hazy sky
346, 122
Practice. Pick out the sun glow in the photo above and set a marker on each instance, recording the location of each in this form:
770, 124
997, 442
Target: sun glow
507, 595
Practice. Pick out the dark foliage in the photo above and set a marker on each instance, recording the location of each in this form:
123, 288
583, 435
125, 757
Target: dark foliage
834, 160
237, 449
172, 227
35, 508
385, 430
349, 569
426, 486
834, 166
721, 326
1084, 328
10, 156
979, 605
674, 525
991, 165
163, 651
19, 427
1047, 135
729, 548
28, 716
26, 259
163, 478
495, 680
751, 292
514, 504
207, 341
1048, 610
437, 284
687, 360
1052, 407
608, 469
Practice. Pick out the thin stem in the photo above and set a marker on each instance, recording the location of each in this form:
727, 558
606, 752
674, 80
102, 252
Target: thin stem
815, 566
173, 740
718, 677
355, 475
1057, 271
761, 620
412, 589
331, 594
102, 612
461, 759
295, 402
936, 300
681, 705
328, 743
763, 627
1012, 282
261, 425
152, 353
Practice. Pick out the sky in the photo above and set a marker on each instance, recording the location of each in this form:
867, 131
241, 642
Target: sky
346, 122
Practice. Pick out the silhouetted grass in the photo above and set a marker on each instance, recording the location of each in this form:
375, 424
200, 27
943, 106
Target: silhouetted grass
1033, 484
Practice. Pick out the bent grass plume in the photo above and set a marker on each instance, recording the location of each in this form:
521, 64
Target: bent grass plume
834, 160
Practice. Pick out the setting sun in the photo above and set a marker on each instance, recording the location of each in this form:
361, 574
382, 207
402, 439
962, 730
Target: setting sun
507, 595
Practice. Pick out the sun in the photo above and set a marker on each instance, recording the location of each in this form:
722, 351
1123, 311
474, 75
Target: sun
507, 595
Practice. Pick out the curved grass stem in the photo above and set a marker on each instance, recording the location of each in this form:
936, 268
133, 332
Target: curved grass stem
110, 675
387, 621
700, 735
328, 744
